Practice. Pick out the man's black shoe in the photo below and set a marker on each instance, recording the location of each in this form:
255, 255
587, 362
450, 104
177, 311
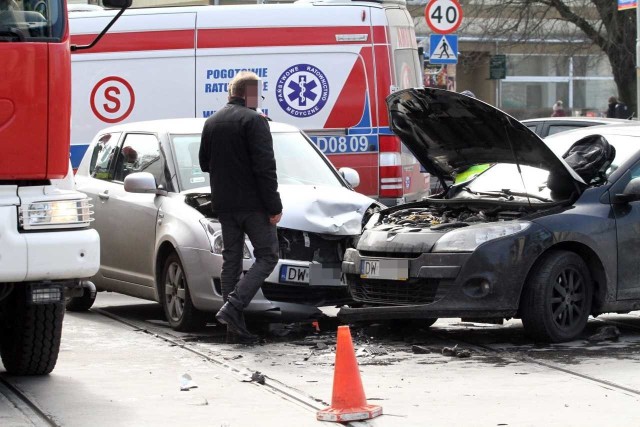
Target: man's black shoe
234, 319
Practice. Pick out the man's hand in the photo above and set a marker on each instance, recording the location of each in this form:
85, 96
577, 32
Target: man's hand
274, 219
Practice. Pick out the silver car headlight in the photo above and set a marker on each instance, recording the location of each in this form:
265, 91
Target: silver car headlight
56, 214
467, 239
215, 240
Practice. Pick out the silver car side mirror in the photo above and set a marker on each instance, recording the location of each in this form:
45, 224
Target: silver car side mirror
351, 176
140, 182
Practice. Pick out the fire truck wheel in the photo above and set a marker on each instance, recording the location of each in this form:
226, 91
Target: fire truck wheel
30, 339
82, 303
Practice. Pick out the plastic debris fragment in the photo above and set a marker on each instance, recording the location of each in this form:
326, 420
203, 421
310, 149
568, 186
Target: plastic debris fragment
187, 383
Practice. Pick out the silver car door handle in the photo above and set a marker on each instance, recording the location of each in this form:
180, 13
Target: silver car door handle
104, 195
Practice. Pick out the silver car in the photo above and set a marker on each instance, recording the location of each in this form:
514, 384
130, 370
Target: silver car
159, 241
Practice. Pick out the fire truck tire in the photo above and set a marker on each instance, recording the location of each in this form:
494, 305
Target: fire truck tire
82, 303
30, 339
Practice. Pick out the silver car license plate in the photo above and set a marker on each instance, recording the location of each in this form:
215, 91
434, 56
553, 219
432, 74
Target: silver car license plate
294, 274
392, 269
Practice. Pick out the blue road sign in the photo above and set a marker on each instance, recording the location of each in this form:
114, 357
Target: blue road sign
443, 49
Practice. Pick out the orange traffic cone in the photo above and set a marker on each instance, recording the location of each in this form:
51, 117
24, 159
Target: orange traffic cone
348, 402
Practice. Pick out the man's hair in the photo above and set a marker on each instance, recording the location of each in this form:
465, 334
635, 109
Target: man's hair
238, 85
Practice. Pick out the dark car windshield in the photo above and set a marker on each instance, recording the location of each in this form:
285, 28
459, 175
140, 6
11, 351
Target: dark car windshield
31, 20
533, 181
505, 176
297, 160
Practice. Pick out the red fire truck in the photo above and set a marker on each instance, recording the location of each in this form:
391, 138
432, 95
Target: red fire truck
46, 245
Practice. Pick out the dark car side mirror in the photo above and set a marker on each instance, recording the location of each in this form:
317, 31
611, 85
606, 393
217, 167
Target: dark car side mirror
630, 194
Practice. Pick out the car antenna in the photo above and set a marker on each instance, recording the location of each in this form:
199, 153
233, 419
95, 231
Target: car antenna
515, 157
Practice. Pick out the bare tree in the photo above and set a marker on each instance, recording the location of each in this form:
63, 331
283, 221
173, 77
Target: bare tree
578, 24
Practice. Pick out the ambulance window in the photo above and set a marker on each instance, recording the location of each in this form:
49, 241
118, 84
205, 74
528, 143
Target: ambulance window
407, 68
140, 152
406, 76
104, 152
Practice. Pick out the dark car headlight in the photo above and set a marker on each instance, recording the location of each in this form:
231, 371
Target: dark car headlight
467, 239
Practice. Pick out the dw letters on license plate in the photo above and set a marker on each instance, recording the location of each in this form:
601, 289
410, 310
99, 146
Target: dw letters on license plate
294, 274
393, 269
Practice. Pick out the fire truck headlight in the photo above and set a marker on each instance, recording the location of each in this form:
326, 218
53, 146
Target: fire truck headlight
56, 214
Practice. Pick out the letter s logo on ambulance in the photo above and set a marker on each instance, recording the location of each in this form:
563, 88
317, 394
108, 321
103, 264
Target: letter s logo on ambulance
112, 99
302, 90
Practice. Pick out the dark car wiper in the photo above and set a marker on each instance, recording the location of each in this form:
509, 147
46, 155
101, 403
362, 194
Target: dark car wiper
8, 34
507, 192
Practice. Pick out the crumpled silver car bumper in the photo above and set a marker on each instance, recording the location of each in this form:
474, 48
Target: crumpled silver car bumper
281, 297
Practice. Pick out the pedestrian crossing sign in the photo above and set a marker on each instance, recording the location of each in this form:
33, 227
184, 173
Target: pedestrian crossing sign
443, 49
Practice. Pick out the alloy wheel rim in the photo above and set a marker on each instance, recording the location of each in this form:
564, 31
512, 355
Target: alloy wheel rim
568, 299
175, 291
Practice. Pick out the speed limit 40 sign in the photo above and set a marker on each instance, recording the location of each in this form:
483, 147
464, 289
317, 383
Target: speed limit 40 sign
443, 16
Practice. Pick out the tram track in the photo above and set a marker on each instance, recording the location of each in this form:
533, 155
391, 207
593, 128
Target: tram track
510, 354
271, 384
31, 412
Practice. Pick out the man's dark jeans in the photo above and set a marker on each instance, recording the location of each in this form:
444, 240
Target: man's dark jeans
262, 234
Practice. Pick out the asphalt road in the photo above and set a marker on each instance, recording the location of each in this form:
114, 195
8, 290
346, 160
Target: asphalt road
121, 365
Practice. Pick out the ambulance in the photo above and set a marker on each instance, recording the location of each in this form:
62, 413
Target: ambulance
326, 66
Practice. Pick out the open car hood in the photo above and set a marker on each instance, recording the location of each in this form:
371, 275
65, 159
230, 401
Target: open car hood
449, 132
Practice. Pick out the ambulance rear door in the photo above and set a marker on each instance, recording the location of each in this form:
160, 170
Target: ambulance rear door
407, 73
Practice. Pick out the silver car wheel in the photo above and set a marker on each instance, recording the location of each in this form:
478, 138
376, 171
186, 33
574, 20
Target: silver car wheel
174, 287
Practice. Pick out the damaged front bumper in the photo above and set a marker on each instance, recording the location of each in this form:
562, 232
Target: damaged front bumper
485, 283
292, 292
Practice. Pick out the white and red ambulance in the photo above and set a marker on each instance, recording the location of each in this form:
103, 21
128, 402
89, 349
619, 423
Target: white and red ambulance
326, 67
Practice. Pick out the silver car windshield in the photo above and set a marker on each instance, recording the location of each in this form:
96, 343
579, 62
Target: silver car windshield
298, 162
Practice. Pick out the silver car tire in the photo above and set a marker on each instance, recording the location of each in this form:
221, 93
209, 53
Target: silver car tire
176, 299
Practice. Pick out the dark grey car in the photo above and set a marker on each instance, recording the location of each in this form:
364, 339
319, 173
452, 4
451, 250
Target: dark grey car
528, 238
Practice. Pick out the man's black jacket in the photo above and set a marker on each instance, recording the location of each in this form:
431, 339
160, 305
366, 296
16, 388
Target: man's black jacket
237, 150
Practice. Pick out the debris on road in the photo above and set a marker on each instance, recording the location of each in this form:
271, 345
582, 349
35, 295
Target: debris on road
450, 351
371, 351
455, 352
605, 333
187, 383
258, 377
418, 349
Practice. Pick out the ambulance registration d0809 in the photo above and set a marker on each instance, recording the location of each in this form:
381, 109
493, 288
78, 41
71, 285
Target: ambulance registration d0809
326, 67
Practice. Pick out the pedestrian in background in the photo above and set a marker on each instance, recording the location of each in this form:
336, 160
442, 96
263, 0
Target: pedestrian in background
611, 107
558, 109
617, 109
237, 150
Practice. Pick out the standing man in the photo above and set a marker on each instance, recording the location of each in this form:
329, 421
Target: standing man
237, 150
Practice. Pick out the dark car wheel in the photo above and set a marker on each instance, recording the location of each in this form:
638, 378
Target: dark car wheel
176, 299
30, 335
557, 297
81, 303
